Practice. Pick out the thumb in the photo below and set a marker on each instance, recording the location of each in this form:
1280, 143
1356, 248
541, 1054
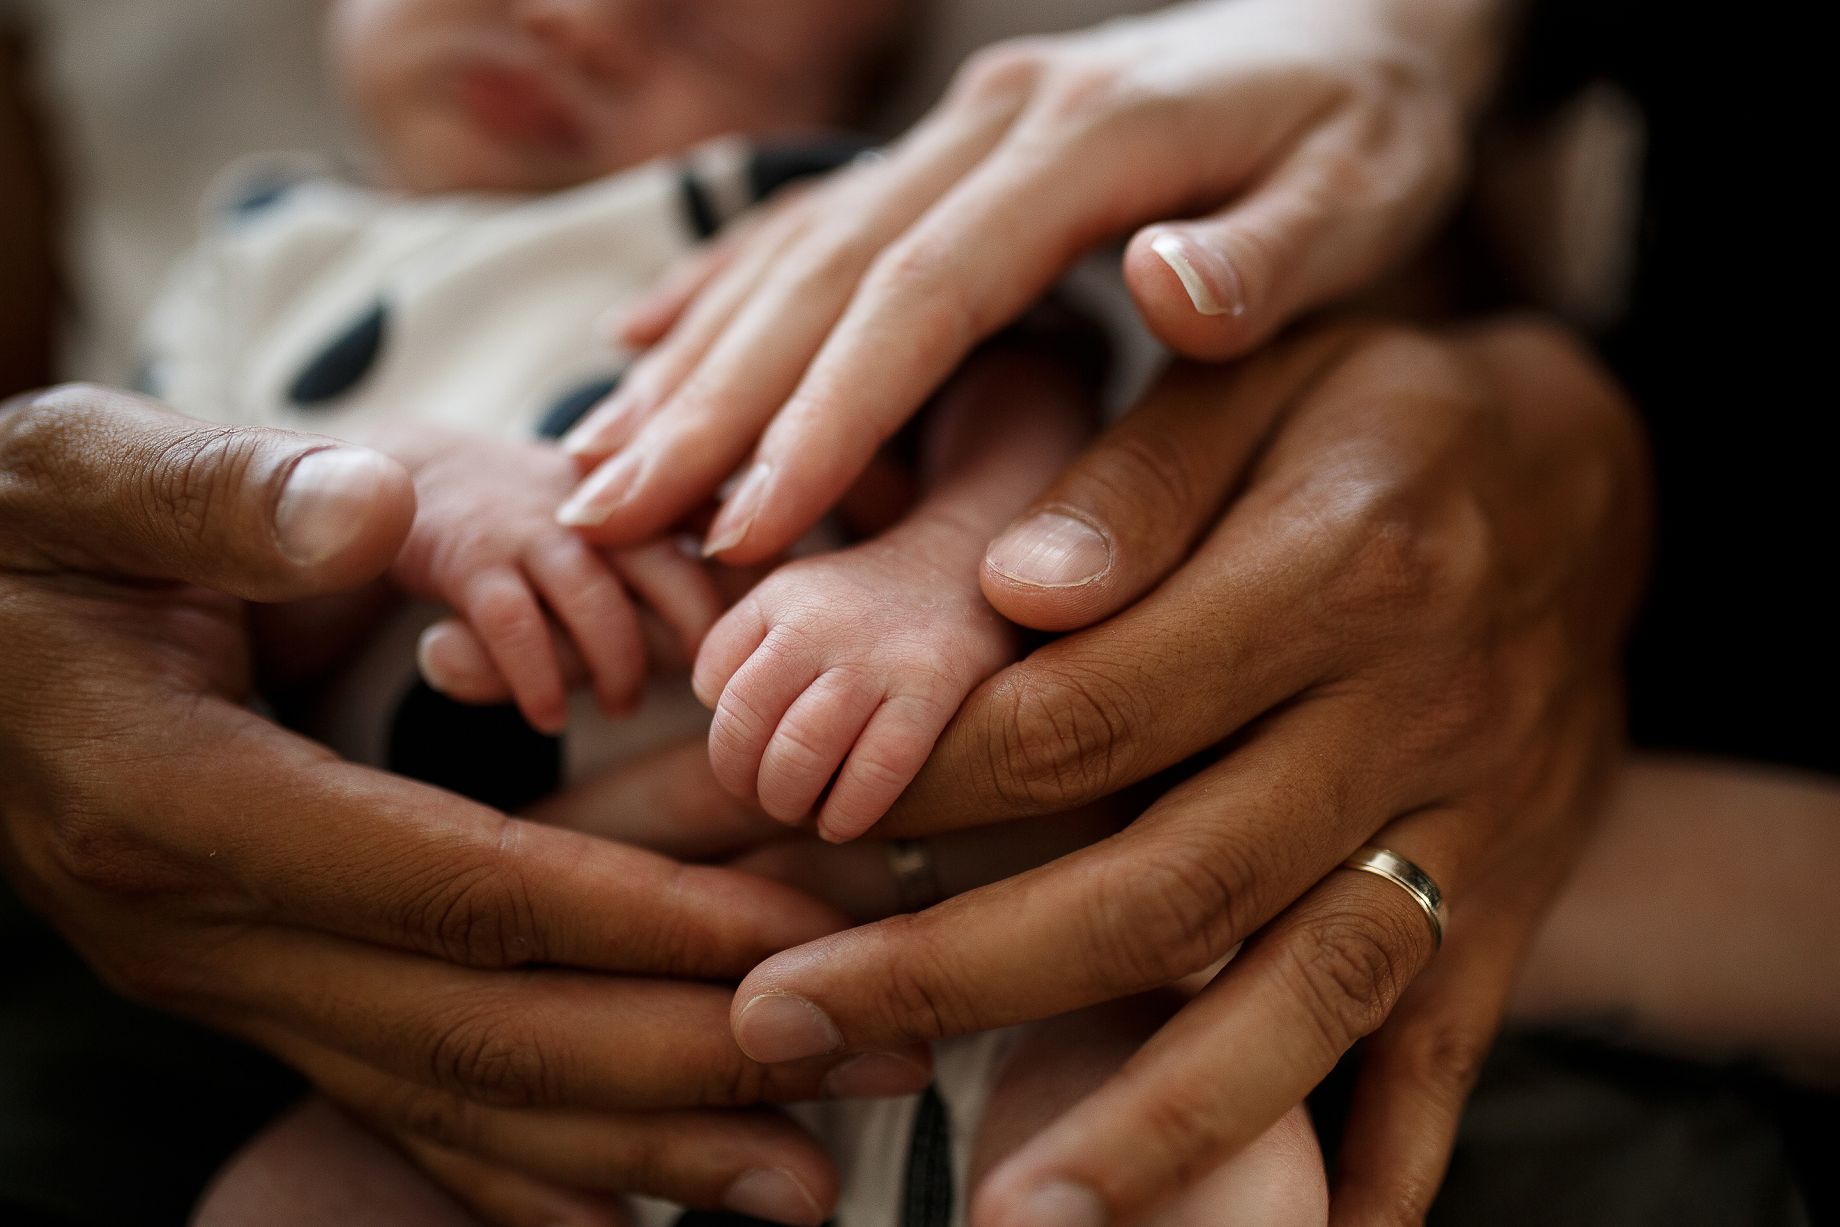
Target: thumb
1327, 221
92, 479
1131, 508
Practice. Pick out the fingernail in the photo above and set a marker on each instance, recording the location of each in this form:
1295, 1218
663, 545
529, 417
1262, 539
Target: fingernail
428, 659
606, 427
1051, 550
604, 490
775, 1195
776, 1027
737, 515
323, 507
876, 1075
1060, 1205
1212, 283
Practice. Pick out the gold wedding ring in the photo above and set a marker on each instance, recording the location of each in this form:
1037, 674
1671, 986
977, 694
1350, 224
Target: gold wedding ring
1407, 877
916, 877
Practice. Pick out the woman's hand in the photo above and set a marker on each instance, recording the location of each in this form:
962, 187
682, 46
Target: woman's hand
522, 1001
1287, 152
1403, 630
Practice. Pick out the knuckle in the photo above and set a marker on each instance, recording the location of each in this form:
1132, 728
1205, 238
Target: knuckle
1003, 74
926, 268
1185, 902
436, 1117
1061, 738
480, 916
915, 998
481, 1050
183, 485
1445, 1059
1181, 1125
1151, 469
99, 853
1350, 974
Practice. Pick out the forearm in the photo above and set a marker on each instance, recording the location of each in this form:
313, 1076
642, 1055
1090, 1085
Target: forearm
1701, 916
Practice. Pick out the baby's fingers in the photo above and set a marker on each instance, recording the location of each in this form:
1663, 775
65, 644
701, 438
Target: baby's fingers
675, 586
503, 611
597, 616
454, 661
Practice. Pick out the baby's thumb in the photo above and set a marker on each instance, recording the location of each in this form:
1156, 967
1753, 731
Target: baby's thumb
97, 480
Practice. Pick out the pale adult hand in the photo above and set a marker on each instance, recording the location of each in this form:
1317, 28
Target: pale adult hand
533, 1007
1402, 630
1279, 154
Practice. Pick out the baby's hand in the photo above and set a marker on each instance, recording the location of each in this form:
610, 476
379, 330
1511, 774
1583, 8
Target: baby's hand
847, 665
486, 542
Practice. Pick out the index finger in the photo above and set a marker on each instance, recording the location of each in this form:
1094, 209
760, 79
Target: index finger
364, 854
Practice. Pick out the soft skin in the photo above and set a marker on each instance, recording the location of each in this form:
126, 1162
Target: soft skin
1405, 564
1263, 157
534, 95
215, 865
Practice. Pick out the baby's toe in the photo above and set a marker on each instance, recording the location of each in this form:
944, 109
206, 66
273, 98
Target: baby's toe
597, 615
504, 613
730, 642
751, 706
811, 740
887, 756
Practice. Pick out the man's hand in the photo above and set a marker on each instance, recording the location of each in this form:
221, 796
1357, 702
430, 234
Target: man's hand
531, 1006
1403, 630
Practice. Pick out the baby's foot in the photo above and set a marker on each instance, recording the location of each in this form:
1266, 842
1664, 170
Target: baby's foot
845, 668
485, 542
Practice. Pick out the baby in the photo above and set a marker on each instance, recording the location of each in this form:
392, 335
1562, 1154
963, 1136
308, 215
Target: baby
446, 314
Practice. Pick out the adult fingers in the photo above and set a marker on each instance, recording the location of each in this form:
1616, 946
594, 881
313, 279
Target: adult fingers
98, 480
1325, 222
1129, 509
1322, 976
508, 1198
1418, 1069
371, 856
540, 1040
1164, 898
509, 1161
743, 369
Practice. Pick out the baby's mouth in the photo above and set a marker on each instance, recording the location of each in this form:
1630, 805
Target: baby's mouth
520, 105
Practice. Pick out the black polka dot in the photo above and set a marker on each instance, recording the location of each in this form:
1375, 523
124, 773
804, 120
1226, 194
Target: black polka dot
488, 754
258, 197
699, 210
344, 362
774, 166
573, 405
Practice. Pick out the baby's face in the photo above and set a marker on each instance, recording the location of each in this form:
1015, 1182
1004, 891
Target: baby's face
533, 95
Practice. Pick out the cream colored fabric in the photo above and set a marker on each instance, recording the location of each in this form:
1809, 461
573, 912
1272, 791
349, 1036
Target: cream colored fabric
153, 97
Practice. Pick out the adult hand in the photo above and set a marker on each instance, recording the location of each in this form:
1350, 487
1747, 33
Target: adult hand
1315, 141
1402, 631
531, 1006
